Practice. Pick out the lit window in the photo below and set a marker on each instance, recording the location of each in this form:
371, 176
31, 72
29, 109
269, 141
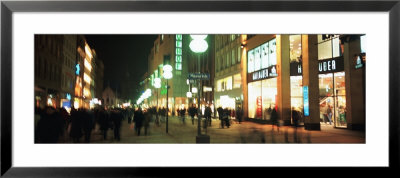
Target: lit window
363, 41
237, 81
295, 48
86, 78
328, 47
87, 65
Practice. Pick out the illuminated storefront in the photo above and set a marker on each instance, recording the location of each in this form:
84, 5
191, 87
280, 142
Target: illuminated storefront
332, 84
326, 81
228, 92
296, 76
262, 81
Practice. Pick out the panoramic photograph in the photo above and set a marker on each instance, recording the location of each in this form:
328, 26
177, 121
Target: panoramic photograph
199, 88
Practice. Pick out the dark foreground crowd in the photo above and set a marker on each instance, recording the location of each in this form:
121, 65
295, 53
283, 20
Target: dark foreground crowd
52, 124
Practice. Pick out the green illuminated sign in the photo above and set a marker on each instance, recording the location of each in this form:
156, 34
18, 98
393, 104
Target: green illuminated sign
178, 59
178, 66
179, 37
178, 53
179, 44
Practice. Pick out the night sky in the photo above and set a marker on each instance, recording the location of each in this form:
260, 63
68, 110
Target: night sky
124, 57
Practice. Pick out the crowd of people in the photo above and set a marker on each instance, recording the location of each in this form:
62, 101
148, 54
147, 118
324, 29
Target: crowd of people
51, 124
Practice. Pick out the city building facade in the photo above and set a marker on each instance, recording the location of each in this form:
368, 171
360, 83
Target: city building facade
48, 70
317, 75
169, 49
228, 76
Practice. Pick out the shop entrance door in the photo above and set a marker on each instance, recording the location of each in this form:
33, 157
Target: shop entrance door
333, 99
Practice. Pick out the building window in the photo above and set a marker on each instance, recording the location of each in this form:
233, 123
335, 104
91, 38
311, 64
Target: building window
257, 58
363, 43
238, 54
233, 57
262, 56
233, 37
228, 61
328, 46
237, 81
217, 63
295, 48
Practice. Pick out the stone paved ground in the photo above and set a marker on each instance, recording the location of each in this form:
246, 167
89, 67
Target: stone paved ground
247, 132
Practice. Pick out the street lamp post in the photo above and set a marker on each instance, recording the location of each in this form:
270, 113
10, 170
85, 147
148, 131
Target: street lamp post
157, 85
199, 45
167, 74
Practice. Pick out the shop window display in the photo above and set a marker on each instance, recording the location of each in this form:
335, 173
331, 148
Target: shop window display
254, 93
333, 99
262, 56
262, 98
269, 92
295, 48
296, 94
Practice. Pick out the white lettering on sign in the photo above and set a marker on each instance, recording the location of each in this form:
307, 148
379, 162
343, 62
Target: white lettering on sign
327, 66
260, 74
299, 69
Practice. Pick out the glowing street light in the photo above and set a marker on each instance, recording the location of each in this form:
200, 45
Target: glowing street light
167, 74
189, 94
199, 45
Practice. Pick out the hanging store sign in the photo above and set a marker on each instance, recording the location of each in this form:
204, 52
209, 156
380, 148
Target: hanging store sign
199, 76
359, 61
269, 72
305, 101
178, 52
296, 69
78, 69
331, 65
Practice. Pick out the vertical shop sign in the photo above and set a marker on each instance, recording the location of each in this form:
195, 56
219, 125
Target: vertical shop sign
259, 107
305, 100
178, 52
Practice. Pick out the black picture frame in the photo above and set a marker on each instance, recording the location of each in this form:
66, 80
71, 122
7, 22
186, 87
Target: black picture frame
8, 7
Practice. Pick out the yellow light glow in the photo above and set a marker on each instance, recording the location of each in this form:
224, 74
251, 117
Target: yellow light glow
88, 51
88, 65
76, 104
87, 78
86, 92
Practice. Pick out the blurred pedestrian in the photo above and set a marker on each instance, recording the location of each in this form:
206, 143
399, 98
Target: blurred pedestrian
76, 125
220, 116
103, 122
226, 114
88, 123
117, 117
207, 114
182, 113
138, 119
329, 114
146, 124
239, 114
50, 126
38, 116
192, 112
274, 119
